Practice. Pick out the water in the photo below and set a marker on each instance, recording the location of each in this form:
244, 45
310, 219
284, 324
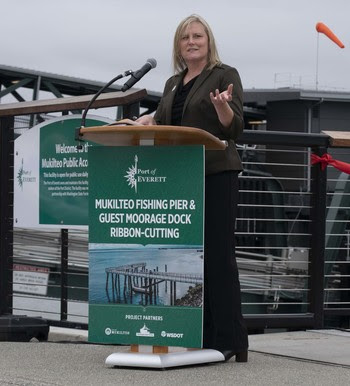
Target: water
186, 260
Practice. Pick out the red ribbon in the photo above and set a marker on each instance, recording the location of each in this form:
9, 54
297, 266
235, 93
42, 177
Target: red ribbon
327, 159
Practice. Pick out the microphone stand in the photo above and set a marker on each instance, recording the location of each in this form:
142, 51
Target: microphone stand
99, 92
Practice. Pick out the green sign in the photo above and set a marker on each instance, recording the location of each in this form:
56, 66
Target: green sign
63, 190
146, 245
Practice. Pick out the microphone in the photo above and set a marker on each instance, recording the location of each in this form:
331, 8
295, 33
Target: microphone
137, 75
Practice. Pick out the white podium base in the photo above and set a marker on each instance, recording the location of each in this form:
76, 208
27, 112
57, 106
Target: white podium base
160, 361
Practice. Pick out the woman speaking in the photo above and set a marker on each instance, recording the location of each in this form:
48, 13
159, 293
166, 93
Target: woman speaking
207, 94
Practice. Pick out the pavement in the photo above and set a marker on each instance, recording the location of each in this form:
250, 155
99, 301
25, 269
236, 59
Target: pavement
317, 357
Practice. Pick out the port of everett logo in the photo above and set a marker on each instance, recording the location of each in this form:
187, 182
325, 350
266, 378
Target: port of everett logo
135, 175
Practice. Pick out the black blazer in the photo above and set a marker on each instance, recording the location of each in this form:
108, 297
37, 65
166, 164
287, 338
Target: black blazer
199, 112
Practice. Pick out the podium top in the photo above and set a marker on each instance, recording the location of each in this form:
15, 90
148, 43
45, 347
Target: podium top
117, 135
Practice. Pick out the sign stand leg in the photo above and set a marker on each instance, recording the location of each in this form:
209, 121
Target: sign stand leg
160, 350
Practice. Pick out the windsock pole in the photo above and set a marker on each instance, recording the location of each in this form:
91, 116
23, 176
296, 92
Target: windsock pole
318, 43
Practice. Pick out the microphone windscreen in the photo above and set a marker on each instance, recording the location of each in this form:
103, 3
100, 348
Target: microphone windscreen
152, 62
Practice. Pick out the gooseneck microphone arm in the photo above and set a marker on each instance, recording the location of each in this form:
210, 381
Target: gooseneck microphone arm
99, 92
135, 77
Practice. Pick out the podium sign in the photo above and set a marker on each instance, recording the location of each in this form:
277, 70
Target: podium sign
146, 223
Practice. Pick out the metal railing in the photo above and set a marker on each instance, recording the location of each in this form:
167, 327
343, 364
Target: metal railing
55, 288
63, 255
292, 233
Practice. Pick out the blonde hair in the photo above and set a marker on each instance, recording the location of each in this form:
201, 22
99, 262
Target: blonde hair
213, 56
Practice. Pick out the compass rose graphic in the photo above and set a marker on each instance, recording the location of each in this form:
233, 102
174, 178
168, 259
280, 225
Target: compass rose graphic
130, 175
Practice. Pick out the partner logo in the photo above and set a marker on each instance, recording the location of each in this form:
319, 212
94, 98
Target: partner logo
24, 176
145, 332
113, 331
135, 175
175, 335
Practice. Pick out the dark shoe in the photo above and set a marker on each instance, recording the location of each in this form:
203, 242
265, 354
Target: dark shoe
240, 356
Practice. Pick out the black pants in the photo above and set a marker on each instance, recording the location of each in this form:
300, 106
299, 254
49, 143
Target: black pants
223, 323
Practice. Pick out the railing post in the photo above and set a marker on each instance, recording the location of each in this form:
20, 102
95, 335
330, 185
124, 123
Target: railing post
64, 274
6, 214
317, 244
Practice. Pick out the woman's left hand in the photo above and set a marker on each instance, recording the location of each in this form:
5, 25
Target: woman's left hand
221, 98
220, 101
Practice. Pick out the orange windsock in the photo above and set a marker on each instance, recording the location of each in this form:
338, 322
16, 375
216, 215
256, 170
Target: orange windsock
320, 27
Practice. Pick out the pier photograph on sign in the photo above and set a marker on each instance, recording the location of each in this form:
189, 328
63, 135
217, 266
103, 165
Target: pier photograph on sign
147, 276
146, 245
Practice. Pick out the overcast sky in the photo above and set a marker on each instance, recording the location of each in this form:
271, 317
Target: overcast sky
272, 43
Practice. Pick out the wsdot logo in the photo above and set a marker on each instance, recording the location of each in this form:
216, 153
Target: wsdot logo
108, 331
175, 335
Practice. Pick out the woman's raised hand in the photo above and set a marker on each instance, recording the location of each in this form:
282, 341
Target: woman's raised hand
223, 109
219, 99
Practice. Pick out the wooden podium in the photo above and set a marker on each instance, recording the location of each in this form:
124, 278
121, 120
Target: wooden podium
134, 135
